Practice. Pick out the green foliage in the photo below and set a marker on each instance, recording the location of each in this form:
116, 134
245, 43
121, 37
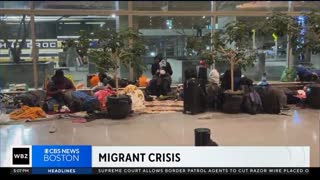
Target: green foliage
312, 36
195, 45
288, 75
238, 33
102, 59
230, 45
82, 44
284, 25
115, 46
68, 43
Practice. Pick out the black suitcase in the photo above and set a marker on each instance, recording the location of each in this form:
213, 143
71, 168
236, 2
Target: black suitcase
313, 96
194, 97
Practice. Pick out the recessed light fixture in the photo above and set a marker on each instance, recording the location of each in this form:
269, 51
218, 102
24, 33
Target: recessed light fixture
113, 15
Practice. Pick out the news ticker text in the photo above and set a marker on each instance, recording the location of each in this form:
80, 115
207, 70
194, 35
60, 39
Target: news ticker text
174, 171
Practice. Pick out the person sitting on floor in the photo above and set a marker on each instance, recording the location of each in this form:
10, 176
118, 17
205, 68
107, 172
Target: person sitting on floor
56, 88
106, 80
161, 81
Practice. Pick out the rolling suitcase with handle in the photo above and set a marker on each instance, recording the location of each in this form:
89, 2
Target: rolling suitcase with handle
194, 97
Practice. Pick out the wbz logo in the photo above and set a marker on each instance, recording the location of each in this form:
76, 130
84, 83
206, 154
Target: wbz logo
21, 156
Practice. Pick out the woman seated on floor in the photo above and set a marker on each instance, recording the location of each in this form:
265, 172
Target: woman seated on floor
55, 90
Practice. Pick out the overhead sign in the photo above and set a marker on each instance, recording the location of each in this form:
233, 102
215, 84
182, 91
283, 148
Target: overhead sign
28, 45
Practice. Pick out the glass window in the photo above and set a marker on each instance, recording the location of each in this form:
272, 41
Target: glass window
14, 4
172, 5
252, 5
11, 29
168, 36
270, 59
15, 66
52, 31
106, 5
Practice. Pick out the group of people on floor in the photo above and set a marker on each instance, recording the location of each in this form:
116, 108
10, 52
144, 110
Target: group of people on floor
160, 84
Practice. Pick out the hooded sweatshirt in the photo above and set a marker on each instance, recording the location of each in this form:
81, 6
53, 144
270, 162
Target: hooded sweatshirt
214, 76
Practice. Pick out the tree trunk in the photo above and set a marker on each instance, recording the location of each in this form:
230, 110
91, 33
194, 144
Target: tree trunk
261, 64
116, 75
232, 72
34, 54
131, 73
289, 53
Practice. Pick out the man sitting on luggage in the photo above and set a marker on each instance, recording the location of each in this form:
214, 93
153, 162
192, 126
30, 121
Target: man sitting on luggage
56, 88
161, 80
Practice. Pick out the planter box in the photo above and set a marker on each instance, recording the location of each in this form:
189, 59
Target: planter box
11, 73
232, 103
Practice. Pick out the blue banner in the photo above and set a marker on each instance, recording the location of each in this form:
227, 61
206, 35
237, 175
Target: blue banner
61, 156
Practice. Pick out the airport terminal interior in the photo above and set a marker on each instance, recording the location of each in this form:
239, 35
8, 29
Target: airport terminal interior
34, 37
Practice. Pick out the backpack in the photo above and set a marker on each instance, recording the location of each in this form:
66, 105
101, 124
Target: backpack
252, 103
269, 98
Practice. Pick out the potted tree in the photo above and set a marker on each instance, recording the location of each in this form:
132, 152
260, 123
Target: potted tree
114, 48
231, 45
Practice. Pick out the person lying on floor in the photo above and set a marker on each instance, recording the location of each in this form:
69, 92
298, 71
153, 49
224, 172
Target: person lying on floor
56, 88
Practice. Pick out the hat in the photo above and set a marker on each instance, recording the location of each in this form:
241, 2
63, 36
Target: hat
202, 62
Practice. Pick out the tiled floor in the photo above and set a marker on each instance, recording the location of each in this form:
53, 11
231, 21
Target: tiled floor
300, 128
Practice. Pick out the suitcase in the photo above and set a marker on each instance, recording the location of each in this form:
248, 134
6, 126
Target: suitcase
194, 97
313, 96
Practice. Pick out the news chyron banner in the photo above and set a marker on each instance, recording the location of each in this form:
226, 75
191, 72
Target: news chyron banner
86, 159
